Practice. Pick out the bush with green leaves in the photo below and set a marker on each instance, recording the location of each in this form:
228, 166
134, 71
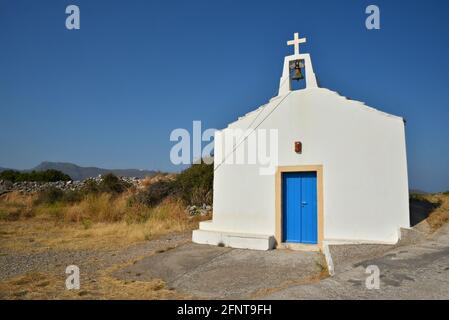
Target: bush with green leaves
35, 176
112, 184
49, 195
72, 196
91, 186
153, 194
9, 175
195, 184
109, 184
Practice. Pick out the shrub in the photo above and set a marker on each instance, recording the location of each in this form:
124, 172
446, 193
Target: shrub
154, 193
195, 184
48, 176
37, 176
72, 196
109, 184
49, 195
112, 184
9, 175
91, 186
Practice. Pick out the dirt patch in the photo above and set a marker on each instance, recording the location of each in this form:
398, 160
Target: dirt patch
52, 286
40, 273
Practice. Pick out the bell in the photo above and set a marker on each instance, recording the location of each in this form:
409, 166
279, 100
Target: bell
297, 73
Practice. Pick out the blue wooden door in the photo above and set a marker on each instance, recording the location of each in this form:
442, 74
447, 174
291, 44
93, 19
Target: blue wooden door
299, 207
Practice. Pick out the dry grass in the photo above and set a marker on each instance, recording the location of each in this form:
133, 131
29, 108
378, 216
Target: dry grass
148, 181
47, 231
97, 222
38, 236
440, 215
51, 286
14, 205
36, 285
102, 207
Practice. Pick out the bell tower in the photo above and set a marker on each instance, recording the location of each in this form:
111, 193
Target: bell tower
295, 66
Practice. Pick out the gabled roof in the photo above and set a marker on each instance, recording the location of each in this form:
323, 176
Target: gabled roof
361, 104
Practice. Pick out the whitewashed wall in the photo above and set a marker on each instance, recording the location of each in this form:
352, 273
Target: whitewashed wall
363, 154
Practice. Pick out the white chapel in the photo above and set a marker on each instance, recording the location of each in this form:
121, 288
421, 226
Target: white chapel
337, 174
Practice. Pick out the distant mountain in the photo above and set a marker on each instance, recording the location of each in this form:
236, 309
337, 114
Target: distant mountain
80, 173
3, 169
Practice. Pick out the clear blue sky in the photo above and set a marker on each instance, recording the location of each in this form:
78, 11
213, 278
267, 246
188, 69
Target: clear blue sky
110, 93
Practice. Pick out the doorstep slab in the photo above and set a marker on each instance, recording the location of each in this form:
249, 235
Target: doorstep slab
234, 240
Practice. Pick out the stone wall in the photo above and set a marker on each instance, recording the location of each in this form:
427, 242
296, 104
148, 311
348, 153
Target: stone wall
31, 187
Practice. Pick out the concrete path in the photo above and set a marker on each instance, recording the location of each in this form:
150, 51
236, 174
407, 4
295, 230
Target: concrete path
222, 273
416, 271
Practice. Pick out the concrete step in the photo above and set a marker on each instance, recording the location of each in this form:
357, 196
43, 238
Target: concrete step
234, 240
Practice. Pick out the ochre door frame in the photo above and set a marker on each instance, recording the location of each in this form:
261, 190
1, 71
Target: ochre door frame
320, 219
